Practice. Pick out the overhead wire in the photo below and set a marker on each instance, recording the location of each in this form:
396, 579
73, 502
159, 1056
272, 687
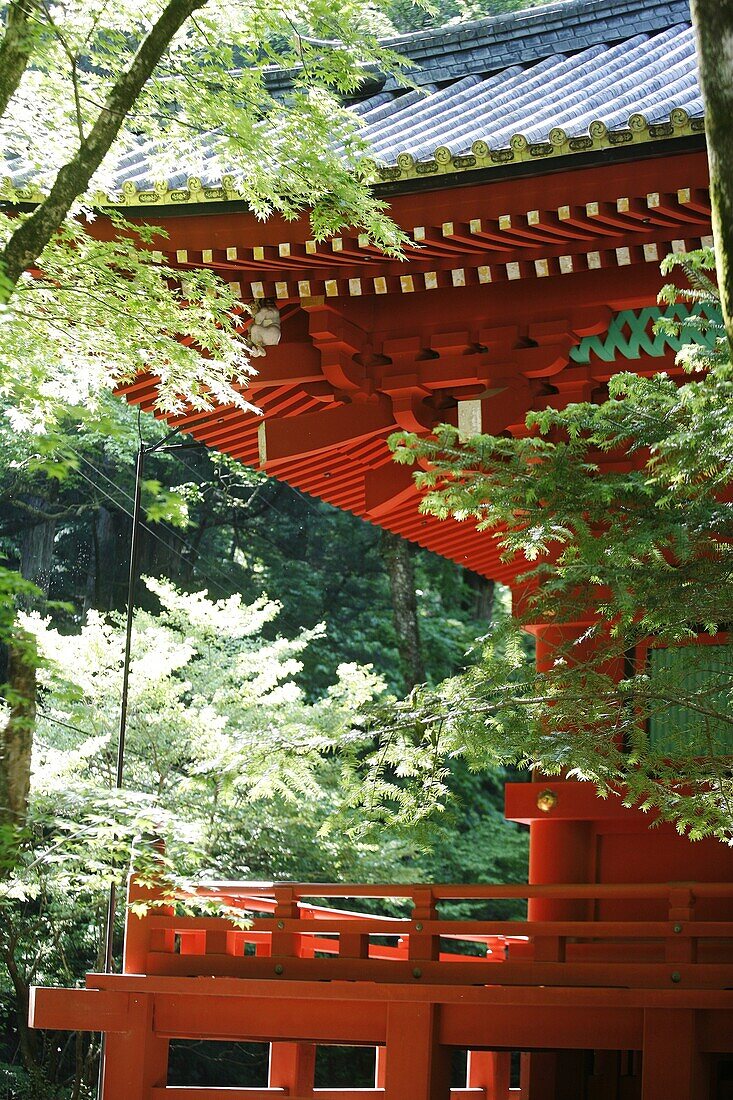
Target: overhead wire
100, 489
298, 492
224, 590
129, 497
58, 722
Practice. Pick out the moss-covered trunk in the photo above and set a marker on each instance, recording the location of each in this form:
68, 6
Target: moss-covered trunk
404, 606
16, 732
713, 21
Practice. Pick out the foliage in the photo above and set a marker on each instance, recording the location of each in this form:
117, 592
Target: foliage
619, 518
188, 85
211, 522
102, 313
212, 706
409, 16
472, 842
227, 760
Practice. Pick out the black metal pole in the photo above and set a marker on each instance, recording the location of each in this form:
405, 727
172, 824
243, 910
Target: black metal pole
109, 927
120, 770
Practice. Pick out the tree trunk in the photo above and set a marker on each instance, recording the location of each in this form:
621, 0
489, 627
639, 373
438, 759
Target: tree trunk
28, 241
27, 1038
713, 21
482, 591
404, 606
16, 737
36, 549
21, 26
18, 661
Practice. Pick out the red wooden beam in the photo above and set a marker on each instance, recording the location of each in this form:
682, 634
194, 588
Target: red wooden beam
272, 1017
287, 440
197, 1092
80, 1009
525, 1027
480, 1018
586, 999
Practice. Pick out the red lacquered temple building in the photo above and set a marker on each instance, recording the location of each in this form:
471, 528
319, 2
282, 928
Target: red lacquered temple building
549, 161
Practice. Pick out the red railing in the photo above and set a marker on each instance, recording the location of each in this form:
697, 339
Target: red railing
618, 968
274, 930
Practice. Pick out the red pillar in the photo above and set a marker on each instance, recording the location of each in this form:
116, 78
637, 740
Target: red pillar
135, 1061
417, 1065
292, 1067
559, 852
672, 1067
490, 1070
538, 1076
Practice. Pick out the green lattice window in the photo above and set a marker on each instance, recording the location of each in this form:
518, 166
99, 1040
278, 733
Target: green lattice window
631, 334
704, 674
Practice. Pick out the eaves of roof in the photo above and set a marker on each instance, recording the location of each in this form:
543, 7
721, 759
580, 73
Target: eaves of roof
445, 168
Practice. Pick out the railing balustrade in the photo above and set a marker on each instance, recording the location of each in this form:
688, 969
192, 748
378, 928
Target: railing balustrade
279, 966
284, 930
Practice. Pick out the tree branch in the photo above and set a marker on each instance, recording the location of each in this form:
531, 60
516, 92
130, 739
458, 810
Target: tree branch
16, 48
73, 62
29, 240
713, 20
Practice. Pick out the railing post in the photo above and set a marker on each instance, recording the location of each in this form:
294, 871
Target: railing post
135, 1061
538, 1075
286, 909
380, 1067
353, 945
672, 1066
681, 946
417, 1065
490, 1070
549, 948
424, 945
292, 1067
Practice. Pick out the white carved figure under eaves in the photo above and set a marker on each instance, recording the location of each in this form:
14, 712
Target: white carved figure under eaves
264, 331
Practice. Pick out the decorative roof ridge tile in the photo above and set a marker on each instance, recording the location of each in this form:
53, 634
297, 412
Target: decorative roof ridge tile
521, 149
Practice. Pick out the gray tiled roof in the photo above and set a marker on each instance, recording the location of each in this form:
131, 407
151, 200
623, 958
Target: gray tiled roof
647, 74
546, 74
499, 41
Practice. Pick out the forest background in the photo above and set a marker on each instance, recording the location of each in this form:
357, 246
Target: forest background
234, 698
238, 693
266, 622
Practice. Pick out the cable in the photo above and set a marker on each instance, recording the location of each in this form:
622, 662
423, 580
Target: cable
224, 590
179, 538
66, 725
124, 493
